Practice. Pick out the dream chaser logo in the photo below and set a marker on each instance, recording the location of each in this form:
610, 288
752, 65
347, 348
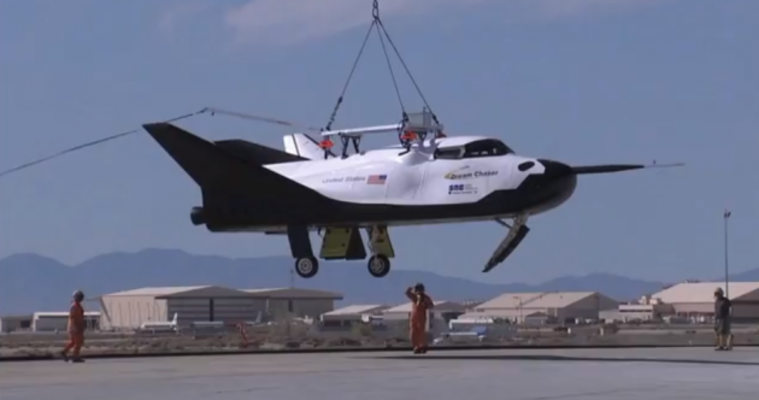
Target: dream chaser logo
463, 173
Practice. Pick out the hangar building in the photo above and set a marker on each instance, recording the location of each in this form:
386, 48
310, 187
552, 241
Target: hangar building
12, 323
129, 309
549, 307
696, 299
283, 302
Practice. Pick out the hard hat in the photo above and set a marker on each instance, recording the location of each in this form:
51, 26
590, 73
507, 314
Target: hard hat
78, 294
419, 287
718, 290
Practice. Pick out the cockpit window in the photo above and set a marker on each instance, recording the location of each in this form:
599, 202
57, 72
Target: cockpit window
486, 148
448, 153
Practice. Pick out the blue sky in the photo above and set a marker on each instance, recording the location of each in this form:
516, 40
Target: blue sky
583, 81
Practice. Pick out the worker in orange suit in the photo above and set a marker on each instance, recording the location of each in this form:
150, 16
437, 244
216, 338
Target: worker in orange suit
76, 326
421, 303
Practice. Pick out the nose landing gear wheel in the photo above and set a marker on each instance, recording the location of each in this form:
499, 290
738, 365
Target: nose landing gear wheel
306, 267
379, 266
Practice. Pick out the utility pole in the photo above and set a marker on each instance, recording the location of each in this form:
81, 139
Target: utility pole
289, 314
726, 217
598, 307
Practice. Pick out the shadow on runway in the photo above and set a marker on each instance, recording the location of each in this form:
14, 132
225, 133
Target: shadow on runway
527, 357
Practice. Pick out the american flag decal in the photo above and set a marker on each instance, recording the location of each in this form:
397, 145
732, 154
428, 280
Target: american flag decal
376, 179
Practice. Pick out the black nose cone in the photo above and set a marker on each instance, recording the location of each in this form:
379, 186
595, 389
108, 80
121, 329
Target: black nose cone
555, 169
546, 191
554, 176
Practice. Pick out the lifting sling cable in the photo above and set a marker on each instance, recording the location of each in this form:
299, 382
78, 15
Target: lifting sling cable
350, 76
377, 22
389, 65
403, 63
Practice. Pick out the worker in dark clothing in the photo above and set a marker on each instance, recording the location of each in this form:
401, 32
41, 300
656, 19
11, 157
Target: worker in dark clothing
722, 316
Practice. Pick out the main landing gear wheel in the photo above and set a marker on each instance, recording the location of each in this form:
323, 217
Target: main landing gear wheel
306, 267
379, 266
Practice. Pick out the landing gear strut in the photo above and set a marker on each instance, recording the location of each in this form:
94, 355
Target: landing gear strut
342, 243
516, 234
381, 249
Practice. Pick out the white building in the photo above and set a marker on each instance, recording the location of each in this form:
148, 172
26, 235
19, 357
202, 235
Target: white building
58, 321
129, 309
694, 299
442, 312
350, 315
651, 312
548, 307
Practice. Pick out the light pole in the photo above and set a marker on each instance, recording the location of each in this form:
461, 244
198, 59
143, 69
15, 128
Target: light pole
726, 217
520, 309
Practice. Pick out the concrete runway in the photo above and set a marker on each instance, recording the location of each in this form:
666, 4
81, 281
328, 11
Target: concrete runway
634, 374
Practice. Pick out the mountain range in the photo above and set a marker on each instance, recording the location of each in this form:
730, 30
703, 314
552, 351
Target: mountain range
30, 282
